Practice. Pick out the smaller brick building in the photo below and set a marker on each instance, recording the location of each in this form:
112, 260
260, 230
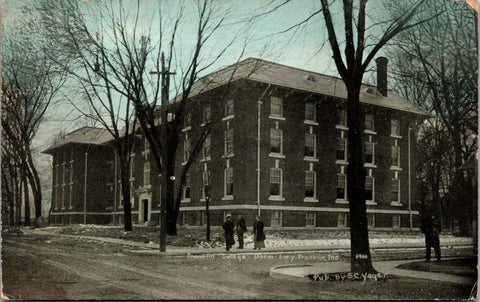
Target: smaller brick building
277, 147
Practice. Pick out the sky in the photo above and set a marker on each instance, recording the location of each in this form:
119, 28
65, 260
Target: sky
271, 36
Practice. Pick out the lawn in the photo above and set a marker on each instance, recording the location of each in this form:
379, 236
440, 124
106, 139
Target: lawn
466, 267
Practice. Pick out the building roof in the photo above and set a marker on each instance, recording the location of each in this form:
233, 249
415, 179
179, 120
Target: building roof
291, 77
84, 135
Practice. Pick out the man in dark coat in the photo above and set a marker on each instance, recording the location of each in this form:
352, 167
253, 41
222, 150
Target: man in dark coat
431, 226
241, 228
228, 227
258, 234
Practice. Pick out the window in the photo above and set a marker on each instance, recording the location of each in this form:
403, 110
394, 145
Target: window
395, 127
395, 190
63, 197
341, 148
186, 188
205, 183
342, 117
369, 153
275, 182
204, 218
229, 141
228, 182
132, 167
64, 173
146, 174
276, 107
310, 219
310, 145
187, 147
342, 220
276, 219
341, 186
147, 144
369, 186
229, 108
188, 120
369, 122
206, 148
276, 141
207, 114
310, 182
310, 111
120, 195
396, 221
71, 172
371, 220
395, 156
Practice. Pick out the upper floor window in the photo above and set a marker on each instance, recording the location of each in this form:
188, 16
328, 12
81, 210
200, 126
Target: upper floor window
146, 174
395, 190
132, 167
310, 111
395, 127
369, 153
342, 117
275, 182
229, 141
341, 186
205, 183
71, 172
186, 188
187, 148
228, 182
310, 184
276, 145
229, 108
206, 147
207, 113
341, 148
395, 156
369, 187
188, 120
147, 144
276, 107
310, 144
369, 122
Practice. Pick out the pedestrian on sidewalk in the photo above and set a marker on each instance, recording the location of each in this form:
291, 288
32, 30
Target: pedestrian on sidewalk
258, 234
430, 225
228, 227
241, 228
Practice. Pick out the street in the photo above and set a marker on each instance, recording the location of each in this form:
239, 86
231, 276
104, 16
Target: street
50, 267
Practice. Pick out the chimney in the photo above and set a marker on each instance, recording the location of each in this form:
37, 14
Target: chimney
382, 75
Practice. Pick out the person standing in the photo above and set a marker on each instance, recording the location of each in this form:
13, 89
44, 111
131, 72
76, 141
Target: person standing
228, 227
431, 226
241, 228
258, 234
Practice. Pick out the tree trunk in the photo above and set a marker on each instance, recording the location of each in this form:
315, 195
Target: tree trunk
26, 197
34, 180
207, 215
127, 206
360, 248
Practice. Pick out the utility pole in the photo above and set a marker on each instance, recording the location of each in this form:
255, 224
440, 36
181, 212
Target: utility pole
165, 178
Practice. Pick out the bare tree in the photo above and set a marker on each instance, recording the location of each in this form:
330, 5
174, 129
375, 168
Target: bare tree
99, 76
29, 83
124, 60
437, 66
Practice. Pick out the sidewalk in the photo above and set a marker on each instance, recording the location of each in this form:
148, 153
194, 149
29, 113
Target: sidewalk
153, 248
298, 272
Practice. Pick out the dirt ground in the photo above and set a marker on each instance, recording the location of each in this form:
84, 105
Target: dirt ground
49, 267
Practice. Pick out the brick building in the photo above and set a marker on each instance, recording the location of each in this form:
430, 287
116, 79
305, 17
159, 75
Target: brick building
277, 147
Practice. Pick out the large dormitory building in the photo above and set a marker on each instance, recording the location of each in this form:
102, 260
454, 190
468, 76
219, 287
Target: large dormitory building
278, 146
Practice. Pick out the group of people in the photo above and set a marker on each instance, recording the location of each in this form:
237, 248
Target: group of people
240, 227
